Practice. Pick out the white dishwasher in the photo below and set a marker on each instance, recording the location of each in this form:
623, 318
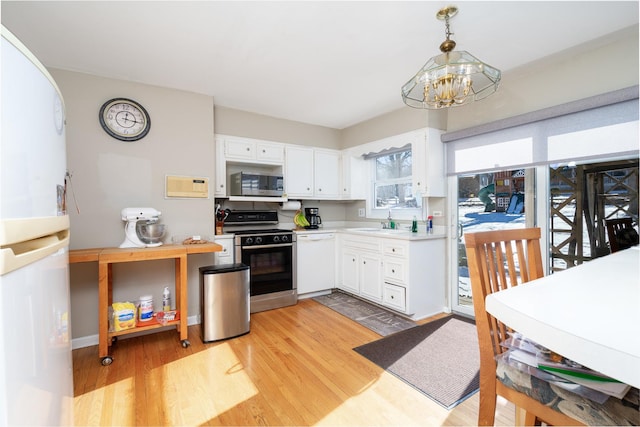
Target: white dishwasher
316, 263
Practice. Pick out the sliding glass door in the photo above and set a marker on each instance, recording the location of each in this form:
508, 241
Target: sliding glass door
497, 200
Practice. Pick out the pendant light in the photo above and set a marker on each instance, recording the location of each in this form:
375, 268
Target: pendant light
452, 78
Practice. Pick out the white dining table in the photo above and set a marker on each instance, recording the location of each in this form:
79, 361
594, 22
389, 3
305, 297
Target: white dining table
589, 313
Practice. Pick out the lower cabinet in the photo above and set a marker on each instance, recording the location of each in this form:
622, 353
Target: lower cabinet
361, 267
404, 275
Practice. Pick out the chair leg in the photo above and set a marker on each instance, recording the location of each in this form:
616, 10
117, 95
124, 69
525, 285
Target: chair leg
487, 409
524, 418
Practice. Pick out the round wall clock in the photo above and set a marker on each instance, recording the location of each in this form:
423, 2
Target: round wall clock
124, 119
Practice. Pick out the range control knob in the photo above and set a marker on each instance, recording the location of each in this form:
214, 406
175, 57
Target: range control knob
248, 241
285, 238
276, 239
258, 240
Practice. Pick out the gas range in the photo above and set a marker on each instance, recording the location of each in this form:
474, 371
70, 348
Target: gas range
271, 255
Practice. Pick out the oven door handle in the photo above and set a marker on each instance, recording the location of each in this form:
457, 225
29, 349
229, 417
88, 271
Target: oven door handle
279, 245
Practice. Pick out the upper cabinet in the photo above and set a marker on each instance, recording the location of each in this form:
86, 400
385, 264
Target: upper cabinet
312, 173
354, 177
321, 173
298, 168
428, 164
250, 150
327, 174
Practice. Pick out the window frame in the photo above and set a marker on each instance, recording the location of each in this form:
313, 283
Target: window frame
396, 213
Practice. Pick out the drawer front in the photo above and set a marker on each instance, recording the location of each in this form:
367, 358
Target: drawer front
394, 296
362, 243
394, 270
394, 248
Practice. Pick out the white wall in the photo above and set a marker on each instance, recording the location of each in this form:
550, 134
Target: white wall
109, 175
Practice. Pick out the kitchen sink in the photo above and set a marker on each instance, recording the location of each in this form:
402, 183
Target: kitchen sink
369, 229
380, 230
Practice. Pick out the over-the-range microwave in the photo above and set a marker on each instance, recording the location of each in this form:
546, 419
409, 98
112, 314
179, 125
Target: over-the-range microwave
250, 184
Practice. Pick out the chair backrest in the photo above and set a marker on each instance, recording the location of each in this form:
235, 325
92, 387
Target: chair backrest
621, 233
498, 260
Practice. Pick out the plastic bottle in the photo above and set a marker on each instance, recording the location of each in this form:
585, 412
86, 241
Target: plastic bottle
430, 225
146, 308
166, 299
414, 225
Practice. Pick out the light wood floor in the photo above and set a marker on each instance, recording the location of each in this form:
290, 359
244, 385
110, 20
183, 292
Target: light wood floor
295, 367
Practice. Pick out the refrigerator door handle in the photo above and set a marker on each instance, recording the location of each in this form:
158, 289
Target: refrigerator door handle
17, 255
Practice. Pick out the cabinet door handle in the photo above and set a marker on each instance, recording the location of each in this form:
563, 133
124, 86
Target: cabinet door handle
248, 149
392, 270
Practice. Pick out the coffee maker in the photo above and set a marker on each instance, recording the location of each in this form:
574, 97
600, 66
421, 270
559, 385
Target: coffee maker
312, 216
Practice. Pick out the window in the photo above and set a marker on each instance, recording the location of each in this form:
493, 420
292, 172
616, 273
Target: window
392, 186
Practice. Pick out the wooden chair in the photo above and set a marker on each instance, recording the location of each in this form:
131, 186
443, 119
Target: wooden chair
617, 227
498, 260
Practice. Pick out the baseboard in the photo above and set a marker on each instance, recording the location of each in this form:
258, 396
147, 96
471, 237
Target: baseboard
90, 340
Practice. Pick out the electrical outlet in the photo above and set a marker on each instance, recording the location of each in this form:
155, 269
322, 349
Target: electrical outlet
361, 212
437, 213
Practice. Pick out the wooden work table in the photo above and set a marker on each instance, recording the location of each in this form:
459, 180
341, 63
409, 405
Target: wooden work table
106, 257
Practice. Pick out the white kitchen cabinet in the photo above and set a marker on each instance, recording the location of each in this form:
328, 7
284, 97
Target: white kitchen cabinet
298, 177
427, 152
361, 266
226, 255
355, 178
327, 174
349, 271
312, 173
315, 262
220, 188
252, 150
404, 275
370, 276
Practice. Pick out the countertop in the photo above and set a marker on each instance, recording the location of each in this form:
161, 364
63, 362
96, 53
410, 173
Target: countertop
372, 231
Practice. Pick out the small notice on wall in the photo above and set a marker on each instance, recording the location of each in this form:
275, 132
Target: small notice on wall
189, 187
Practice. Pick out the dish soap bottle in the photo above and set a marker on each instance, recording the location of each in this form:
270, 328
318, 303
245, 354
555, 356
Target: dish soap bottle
414, 225
166, 299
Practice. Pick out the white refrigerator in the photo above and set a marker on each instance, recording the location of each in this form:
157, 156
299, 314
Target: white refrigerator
36, 372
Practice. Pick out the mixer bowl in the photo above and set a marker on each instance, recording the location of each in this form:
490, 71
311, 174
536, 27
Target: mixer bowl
149, 232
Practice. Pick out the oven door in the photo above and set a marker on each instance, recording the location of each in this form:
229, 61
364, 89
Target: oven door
272, 268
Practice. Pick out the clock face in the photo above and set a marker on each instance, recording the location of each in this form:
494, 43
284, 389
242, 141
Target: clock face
124, 119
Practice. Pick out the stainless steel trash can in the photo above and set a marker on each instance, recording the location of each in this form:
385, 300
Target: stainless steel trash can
224, 301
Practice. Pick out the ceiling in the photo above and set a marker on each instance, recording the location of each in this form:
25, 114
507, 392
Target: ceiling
328, 63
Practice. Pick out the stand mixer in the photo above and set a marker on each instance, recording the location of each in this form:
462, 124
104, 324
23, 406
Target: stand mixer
142, 230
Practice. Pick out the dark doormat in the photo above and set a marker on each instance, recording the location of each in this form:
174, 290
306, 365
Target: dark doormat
440, 358
368, 315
